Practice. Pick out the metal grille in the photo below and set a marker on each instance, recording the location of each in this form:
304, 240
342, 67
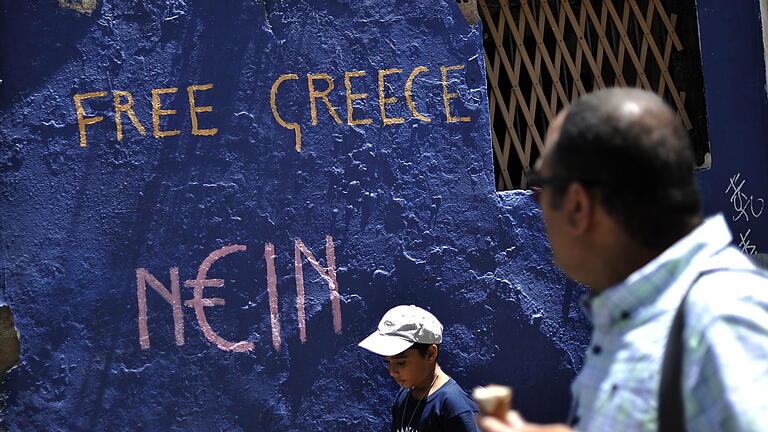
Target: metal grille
540, 55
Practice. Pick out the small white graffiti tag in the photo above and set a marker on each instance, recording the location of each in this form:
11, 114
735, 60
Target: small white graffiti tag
747, 248
741, 202
745, 206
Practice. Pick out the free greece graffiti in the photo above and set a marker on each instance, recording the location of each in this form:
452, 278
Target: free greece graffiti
124, 102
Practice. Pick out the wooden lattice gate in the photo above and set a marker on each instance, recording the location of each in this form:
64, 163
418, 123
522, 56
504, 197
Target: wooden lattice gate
540, 55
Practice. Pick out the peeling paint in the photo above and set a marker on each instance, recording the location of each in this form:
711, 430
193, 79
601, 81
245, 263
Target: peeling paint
10, 349
83, 6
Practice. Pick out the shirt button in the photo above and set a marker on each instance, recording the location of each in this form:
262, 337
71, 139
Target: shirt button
624, 315
597, 349
575, 420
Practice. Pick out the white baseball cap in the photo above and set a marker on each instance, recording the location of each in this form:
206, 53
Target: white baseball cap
401, 327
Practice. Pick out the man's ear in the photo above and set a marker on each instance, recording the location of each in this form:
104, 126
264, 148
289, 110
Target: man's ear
579, 207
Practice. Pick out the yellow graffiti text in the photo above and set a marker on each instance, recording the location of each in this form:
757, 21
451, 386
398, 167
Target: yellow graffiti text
124, 104
387, 97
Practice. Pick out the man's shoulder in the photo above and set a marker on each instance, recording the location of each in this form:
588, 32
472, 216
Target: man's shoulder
722, 271
729, 285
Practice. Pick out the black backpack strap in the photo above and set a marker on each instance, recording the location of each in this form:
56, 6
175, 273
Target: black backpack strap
671, 409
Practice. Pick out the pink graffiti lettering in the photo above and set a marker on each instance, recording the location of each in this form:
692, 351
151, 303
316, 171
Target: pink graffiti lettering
198, 302
173, 297
330, 254
297, 265
274, 312
328, 274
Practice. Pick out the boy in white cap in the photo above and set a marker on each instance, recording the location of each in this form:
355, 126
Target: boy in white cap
409, 339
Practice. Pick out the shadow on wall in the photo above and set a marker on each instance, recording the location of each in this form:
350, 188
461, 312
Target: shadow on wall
519, 362
18, 19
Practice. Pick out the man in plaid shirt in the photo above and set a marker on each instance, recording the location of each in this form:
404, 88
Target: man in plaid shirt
617, 193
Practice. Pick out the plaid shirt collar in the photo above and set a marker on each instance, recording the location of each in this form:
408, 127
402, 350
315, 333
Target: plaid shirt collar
647, 283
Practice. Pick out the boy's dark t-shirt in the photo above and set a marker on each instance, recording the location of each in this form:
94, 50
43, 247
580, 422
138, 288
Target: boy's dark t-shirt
448, 409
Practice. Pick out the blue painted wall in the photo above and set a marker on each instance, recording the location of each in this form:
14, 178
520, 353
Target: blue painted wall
733, 60
410, 207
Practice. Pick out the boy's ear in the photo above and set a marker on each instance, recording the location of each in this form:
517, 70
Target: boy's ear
432, 352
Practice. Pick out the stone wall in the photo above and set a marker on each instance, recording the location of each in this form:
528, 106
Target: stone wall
176, 261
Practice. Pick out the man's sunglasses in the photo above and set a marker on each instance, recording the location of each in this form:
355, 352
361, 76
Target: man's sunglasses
536, 182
